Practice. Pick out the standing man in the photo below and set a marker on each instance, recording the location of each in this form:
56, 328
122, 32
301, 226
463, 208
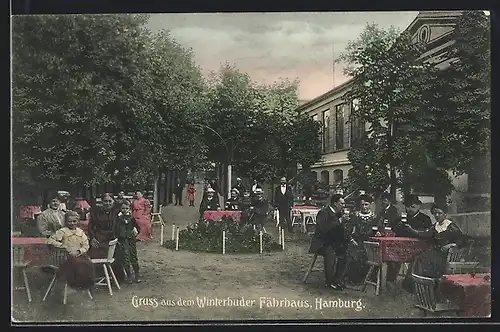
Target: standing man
330, 241
283, 201
178, 192
390, 215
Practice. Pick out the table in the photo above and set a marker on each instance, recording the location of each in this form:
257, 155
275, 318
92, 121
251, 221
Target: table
306, 212
397, 249
36, 249
218, 215
29, 212
471, 294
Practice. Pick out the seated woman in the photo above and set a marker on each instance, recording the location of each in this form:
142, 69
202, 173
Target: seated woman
232, 203
443, 235
78, 269
359, 229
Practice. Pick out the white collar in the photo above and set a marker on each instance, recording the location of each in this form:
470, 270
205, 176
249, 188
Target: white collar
442, 227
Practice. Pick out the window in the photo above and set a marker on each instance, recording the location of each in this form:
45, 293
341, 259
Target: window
357, 127
342, 137
325, 177
339, 127
338, 176
326, 133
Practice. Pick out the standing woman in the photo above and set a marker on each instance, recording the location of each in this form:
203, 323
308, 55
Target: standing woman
141, 212
190, 193
101, 232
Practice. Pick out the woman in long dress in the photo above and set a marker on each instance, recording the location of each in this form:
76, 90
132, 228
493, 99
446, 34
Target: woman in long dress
445, 234
101, 232
360, 229
141, 211
77, 270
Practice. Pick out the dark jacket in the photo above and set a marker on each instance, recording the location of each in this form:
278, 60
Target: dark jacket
283, 202
232, 205
124, 227
419, 222
207, 205
259, 211
330, 232
393, 218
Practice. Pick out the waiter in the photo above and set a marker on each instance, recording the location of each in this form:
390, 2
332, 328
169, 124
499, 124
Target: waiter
330, 241
283, 202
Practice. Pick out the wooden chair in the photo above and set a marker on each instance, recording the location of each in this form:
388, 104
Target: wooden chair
311, 268
296, 217
463, 267
157, 218
456, 254
372, 253
19, 264
57, 258
106, 264
427, 302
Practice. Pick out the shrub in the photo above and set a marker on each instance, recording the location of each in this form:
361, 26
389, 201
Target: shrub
206, 236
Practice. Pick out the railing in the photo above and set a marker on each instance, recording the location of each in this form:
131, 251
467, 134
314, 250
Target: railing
476, 224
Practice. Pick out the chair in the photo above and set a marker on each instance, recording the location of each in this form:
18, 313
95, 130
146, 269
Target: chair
311, 268
456, 254
19, 264
106, 264
425, 290
296, 218
157, 218
372, 253
309, 218
58, 257
463, 267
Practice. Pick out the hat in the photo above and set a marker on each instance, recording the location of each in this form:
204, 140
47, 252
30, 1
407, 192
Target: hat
210, 190
258, 191
283, 179
238, 179
235, 190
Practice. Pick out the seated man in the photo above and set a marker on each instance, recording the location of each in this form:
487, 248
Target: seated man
259, 209
232, 203
210, 203
416, 219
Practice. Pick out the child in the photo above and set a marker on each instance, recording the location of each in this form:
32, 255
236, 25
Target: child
78, 270
126, 228
190, 193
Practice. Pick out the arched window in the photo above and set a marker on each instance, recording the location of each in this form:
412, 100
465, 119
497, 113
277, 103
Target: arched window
325, 177
314, 175
338, 176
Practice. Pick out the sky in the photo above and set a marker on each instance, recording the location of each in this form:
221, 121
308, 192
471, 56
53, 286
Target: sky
271, 46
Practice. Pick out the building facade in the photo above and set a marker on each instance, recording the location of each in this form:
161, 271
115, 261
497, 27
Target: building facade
338, 135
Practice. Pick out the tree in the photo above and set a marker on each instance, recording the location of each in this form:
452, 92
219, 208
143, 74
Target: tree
69, 90
171, 87
264, 135
104, 102
388, 81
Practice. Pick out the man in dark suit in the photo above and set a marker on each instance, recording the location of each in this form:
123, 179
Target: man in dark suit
179, 187
416, 219
330, 241
283, 201
390, 215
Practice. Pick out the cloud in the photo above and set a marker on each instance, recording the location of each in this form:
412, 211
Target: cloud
273, 45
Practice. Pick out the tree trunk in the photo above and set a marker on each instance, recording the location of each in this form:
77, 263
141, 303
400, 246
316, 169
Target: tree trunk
155, 190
